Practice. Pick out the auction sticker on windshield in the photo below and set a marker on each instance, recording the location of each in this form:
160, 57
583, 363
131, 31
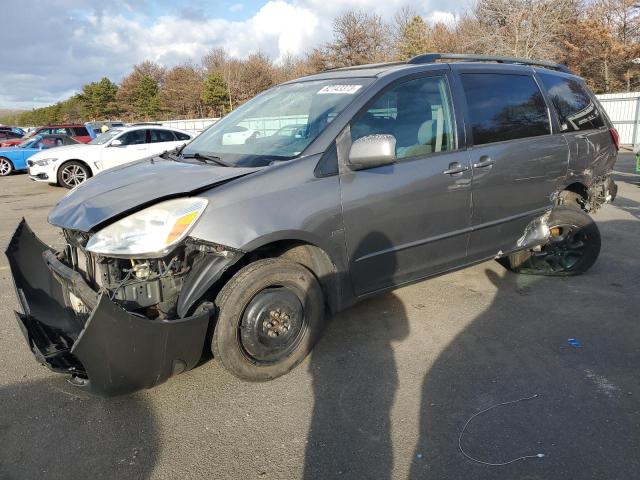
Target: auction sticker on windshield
345, 89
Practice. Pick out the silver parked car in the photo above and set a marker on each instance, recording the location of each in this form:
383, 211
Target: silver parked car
397, 172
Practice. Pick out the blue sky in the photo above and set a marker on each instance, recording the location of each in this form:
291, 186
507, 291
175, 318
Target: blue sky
51, 48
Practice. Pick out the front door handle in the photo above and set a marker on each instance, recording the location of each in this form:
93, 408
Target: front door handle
454, 168
484, 162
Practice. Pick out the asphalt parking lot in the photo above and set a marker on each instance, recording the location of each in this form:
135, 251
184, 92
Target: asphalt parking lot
384, 395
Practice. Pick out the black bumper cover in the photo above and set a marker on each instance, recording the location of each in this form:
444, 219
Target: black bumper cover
117, 352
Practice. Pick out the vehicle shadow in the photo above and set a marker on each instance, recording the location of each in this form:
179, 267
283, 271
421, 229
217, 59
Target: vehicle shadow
585, 419
49, 429
354, 384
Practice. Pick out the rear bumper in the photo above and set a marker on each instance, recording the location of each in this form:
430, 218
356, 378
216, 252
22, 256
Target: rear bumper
114, 352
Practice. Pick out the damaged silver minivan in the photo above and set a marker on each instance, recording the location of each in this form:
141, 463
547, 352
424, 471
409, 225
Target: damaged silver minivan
313, 195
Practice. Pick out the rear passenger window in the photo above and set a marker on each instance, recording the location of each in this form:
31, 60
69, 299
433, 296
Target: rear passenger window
158, 136
573, 104
504, 107
417, 113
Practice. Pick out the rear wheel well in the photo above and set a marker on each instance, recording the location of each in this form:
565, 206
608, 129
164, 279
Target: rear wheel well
576, 192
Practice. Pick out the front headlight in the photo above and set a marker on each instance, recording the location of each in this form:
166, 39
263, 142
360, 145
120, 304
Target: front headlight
44, 161
151, 232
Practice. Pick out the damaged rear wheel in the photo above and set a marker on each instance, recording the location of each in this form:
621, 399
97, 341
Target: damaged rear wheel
572, 248
270, 315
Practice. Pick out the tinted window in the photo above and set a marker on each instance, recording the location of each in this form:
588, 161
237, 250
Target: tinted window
573, 103
417, 113
80, 132
182, 136
504, 107
135, 137
158, 136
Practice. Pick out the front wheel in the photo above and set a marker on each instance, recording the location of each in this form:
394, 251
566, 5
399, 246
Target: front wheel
270, 315
573, 246
72, 174
6, 167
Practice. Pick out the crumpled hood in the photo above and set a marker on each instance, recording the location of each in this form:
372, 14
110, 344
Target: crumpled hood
131, 187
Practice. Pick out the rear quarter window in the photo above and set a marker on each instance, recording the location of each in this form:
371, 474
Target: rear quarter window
504, 107
182, 136
159, 136
573, 104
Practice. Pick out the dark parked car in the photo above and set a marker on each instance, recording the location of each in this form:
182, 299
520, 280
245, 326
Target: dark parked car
78, 132
9, 135
404, 171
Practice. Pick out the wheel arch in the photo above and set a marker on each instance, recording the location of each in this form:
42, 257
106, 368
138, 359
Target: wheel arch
13, 165
311, 256
83, 162
314, 258
64, 162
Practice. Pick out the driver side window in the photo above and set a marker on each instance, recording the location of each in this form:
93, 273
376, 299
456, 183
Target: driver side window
418, 113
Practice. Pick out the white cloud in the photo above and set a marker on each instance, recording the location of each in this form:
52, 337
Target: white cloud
69, 49
438, 16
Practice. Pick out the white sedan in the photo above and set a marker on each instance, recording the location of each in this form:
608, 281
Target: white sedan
70, 166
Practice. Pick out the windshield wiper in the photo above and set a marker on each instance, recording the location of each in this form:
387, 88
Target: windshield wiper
207, 158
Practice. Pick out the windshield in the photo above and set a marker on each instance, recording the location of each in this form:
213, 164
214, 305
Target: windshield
30, 142
105, 137
277, 125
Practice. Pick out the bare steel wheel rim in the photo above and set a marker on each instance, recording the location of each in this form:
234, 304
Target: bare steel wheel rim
5, 167
73, 175
272, 326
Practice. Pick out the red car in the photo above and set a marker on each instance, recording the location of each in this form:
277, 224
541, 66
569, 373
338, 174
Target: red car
77, 132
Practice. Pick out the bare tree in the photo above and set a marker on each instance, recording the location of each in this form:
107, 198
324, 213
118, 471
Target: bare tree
358, 38
522, 28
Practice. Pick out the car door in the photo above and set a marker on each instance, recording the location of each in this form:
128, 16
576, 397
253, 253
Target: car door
161, 140
517, 161
410, 219
132, 146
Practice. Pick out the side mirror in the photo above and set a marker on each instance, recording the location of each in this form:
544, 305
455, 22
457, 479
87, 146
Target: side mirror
116, 143
372, 151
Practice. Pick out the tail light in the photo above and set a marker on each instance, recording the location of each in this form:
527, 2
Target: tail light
615, 137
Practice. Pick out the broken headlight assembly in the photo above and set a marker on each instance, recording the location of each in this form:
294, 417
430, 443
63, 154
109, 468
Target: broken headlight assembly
149, 233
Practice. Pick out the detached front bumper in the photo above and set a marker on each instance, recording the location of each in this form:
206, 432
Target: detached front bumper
111, 351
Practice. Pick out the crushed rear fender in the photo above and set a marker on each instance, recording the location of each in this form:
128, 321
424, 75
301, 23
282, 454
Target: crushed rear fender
112, 351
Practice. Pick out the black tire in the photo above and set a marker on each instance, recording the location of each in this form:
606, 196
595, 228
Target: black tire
572, 249
72, 174
6, 167
262, 332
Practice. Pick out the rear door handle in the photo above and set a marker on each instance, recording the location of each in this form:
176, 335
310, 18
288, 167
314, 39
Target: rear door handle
484, 162
454, 168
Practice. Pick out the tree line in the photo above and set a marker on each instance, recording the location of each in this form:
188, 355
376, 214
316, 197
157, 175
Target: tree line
597, 39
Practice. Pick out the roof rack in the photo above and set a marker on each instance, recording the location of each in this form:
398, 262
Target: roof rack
365, 66
433, 57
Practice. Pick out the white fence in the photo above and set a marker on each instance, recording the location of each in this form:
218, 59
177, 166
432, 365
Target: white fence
195, 125
624, 111
265, 126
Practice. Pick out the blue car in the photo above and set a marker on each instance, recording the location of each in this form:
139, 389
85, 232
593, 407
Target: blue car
15, 158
